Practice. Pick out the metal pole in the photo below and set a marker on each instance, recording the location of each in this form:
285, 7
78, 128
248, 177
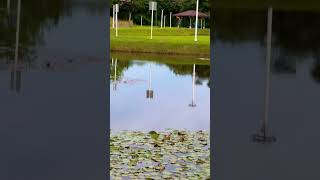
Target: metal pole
268, 63
113, 9
116, 24
151, 22
141, 20
170, 18
161, 18
190, 23
196, 26
164, 22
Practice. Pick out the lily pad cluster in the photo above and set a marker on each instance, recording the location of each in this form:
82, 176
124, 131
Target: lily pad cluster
170, 154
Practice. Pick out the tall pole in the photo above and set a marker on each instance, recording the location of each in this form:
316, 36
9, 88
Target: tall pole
196, 26
117, 6
161, 18
141, 20
151, 22
113, 9
164, 22
170, 18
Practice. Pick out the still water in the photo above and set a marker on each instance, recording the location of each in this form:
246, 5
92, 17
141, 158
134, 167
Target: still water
179, 100
281, 101
52, 90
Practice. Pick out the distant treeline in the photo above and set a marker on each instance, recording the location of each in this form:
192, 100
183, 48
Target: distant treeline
297, 5
132, 10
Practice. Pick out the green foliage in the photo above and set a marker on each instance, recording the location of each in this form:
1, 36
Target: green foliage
138, 8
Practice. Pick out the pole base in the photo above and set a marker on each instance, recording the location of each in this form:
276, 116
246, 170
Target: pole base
263, 139
192, 105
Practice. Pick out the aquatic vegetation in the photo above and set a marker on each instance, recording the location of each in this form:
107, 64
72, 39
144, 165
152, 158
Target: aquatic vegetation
169, 154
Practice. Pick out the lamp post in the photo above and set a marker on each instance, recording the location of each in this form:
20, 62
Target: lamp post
113, 12
170, 18
116, 11
161, 21
262, 135
152, 7
196, 26
193, 86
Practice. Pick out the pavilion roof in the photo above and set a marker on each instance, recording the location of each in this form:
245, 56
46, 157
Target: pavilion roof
190, 13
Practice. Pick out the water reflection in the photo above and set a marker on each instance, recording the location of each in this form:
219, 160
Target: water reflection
58, 70
169, 83
271, 55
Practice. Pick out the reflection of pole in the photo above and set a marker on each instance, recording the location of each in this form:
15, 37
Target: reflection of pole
262, 136
17, 75
8, 6
196, 26
115, 75
193, 86
268, 61
150, 77
149, 93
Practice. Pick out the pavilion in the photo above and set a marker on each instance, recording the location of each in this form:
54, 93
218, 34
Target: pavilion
190, 13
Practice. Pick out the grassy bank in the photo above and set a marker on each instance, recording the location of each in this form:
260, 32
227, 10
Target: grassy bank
168, 59
175, 41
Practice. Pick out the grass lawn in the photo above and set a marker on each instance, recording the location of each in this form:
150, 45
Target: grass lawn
176, 41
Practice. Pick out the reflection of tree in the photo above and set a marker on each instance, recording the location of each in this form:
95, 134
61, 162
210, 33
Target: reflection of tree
202, 71
36, 17
315, 72
295, 34
121, 67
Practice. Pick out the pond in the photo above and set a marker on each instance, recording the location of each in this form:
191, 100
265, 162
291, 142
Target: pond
160, 116
266, 81
173, 92
53, 90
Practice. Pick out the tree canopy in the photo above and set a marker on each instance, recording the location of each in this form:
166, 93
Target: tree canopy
134, 9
